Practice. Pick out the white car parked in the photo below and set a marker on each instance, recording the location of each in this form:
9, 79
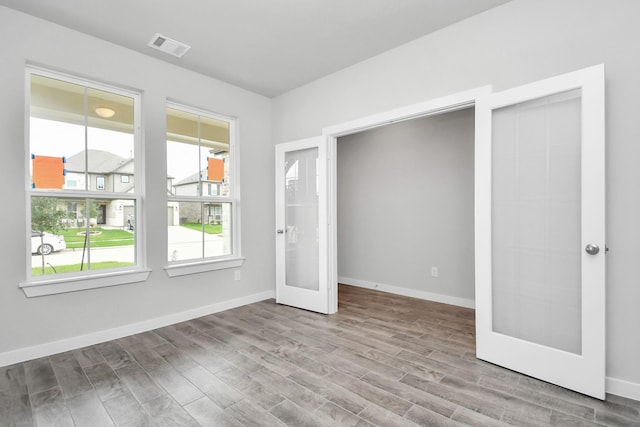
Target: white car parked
45, 243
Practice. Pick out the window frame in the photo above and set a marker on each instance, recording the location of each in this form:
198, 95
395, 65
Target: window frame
100, 183
88, 279
235, 258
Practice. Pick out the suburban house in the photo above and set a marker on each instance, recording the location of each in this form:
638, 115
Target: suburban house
105, 172
429, 213
192, 186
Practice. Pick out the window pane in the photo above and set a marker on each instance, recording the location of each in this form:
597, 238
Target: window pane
197, 154
56, 131
189, 238
185, 230
182, 126
73, 235
183, 171
217, 231
214, 138
91, 129
183, 153
110, 141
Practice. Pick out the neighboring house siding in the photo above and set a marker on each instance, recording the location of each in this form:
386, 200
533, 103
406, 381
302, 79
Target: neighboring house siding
111, 168
189, 212
187, 189
123, 187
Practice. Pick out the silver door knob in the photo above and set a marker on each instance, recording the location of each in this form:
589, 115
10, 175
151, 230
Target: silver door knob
280, 231
592, 249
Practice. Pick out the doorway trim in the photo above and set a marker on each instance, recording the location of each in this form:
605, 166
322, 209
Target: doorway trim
431, 107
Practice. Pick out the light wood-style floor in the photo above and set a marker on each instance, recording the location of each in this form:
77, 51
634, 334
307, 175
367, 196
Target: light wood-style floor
383, 360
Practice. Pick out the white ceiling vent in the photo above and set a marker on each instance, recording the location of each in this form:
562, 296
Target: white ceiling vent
167, 45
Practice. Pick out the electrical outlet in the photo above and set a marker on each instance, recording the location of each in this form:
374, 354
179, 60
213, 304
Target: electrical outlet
434, 271
237, 275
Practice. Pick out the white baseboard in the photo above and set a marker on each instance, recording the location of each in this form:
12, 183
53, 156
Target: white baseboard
414, 293
54, 347
623, 388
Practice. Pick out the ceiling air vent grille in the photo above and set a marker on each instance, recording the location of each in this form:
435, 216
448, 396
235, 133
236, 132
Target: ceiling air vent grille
167, 45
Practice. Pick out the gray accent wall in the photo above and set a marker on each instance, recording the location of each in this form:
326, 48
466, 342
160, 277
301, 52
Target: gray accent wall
519, 42
405, 205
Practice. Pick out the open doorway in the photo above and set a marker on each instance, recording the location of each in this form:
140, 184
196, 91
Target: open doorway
405, 208
432, 108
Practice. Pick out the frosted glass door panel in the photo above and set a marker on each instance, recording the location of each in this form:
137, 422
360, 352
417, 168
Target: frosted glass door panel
536, 232
301, 219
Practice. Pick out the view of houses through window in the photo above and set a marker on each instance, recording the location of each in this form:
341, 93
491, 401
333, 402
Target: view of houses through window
200, 202
82, 191
82, 171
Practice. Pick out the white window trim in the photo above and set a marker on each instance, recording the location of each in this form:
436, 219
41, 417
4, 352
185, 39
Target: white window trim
183, 269
48, 285
38, 288
235, 259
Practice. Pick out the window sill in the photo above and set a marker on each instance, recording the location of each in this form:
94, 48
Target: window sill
38, 288
176, 270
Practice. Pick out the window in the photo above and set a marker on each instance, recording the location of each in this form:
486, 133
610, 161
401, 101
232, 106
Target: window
203, 192
80, 135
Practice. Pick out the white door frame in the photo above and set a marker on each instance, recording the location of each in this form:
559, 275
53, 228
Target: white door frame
432, 107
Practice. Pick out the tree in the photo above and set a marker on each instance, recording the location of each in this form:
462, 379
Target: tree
46, 217
83, 219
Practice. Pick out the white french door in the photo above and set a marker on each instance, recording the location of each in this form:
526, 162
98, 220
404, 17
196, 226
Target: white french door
540, 230
301, 224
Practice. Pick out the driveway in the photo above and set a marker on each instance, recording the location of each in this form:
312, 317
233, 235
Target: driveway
185, 243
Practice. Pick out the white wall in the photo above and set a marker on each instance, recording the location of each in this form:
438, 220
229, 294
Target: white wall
519, 42
405, 204
31, 322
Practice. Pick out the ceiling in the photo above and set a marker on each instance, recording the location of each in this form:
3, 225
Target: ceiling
266, 46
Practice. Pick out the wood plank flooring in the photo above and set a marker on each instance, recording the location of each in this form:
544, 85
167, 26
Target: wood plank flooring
383, 360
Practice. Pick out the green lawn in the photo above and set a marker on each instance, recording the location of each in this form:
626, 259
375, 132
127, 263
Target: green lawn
208, 228
106, 238
37, 271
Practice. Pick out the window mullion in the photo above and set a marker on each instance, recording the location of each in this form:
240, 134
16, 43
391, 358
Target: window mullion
202, 232
87, 239
87, 184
